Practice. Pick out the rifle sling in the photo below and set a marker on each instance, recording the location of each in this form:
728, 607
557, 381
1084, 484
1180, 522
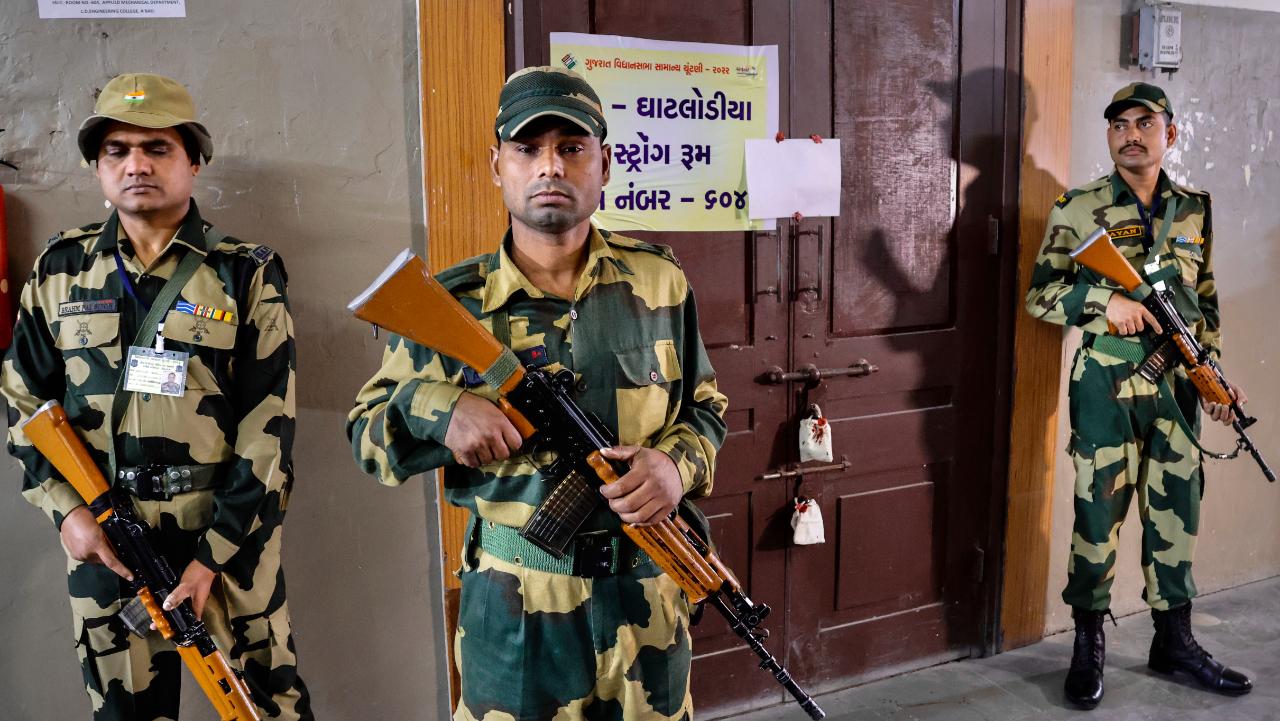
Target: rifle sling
1142, 291
1133, 351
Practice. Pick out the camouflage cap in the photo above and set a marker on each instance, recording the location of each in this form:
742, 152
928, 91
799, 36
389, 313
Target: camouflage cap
538, 91
148, 101
1144, 94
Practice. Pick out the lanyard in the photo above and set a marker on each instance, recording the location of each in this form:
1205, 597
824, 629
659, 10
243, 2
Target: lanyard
1148, 219
128, 283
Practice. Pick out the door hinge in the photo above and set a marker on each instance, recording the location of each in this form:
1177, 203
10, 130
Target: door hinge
979, 563
993, 235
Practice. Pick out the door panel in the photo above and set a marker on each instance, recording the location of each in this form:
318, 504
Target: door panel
897, 279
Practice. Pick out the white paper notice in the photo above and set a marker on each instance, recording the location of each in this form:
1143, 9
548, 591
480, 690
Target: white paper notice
794, 176
84, 9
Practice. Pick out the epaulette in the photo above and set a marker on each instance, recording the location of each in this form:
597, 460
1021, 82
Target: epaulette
1066, 197
259, 254
75, 233
621, 241
467, 273
1193, 191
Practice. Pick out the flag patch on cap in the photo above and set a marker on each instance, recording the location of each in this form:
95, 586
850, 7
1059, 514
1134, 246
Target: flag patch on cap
136, 96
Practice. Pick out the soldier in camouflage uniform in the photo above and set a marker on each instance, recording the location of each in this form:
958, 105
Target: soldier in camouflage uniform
210, 470
1130, 436
539, 638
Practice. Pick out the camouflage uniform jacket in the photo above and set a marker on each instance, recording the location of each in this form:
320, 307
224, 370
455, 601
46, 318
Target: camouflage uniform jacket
631, 335
1062, 292
75, 319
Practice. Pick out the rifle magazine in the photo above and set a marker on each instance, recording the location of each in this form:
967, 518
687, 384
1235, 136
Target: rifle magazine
554, 523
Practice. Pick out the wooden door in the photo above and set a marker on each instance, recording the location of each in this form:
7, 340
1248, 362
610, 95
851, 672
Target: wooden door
741, 288
907, 278
904, 278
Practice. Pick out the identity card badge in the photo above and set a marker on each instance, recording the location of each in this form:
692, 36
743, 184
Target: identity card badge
156, 371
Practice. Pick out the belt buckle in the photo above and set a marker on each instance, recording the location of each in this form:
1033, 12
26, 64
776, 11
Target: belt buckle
150, 482
593, 554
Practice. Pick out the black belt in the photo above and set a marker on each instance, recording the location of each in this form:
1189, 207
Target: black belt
155, 482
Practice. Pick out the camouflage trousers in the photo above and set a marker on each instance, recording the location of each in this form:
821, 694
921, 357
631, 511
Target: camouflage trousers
1126, 441
137, 679
537, 646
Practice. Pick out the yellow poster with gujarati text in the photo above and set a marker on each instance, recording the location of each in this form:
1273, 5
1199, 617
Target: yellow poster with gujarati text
678, 116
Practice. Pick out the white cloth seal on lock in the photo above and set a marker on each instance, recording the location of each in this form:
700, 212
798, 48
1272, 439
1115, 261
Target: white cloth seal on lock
806, 523
815, 438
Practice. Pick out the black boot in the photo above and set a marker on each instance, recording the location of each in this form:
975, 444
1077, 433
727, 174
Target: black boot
1175, 649
1084, 681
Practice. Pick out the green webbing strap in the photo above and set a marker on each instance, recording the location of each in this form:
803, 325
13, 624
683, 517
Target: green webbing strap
506, 543
1158, 247
507, 363
1164, 273
1133, 351
1142, 291
146, 333
1122, 348
502, 369
1173, 409
501, 326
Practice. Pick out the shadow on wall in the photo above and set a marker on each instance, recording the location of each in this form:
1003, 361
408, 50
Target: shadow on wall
331, 239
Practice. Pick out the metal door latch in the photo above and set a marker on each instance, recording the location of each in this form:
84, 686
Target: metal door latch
791, 471
814, 375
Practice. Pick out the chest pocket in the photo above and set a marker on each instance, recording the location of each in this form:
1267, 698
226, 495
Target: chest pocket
210, 341
196, 330
1190, 259
92, 330
648, 392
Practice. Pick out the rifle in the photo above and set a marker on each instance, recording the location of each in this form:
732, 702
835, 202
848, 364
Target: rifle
50, 432
406, 300
1176, 343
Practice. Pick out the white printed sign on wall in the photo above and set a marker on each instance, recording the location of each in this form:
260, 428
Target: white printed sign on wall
85, 9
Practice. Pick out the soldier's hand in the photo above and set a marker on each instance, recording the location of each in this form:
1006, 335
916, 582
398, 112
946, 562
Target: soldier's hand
648, 492
479, 433
84, 540
1221, 412
1128, 316
195, 584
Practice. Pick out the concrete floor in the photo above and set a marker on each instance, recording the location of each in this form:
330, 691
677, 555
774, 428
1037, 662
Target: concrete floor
1240, 626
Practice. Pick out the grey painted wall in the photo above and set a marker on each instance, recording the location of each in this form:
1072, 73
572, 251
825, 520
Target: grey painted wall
313, 107
1226, 98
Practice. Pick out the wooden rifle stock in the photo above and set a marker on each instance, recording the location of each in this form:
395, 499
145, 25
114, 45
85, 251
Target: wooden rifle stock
406, 300
51, 433
1099, 254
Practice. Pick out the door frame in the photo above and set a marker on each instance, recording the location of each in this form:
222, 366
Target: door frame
464, 48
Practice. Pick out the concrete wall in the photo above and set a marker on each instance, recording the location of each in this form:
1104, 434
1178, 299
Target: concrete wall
313, 107
1226, 98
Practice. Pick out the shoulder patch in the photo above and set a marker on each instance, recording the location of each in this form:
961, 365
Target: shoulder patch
469, 272
261, 254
